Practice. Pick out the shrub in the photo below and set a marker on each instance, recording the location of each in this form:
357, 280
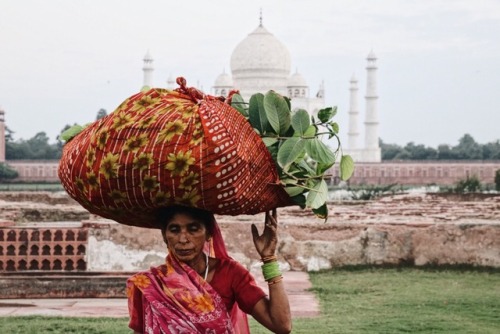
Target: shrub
497, 180
468, 185
7, 173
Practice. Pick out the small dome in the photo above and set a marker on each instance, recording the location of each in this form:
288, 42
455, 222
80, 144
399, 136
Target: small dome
297, 80
223, 80
260, 50
170, 82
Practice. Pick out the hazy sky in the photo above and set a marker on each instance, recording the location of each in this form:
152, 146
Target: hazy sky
438, 60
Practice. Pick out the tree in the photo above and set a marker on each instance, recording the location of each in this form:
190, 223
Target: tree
445, 152
101, 113
9, 134
17, 150
36, 148
491, 151
7, 173
389, 151
468, 149
420, 152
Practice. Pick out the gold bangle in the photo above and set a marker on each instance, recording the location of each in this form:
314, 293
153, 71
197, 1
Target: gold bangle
275, 281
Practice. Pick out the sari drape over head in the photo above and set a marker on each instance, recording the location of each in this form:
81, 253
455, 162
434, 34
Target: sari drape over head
175, 299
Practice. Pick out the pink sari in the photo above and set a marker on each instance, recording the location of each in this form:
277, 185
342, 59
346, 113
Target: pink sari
175, 299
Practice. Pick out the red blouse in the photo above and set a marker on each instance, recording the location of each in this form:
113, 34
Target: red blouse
233, 282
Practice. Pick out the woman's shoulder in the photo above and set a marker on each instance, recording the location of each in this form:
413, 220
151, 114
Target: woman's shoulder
230, 266
153, 270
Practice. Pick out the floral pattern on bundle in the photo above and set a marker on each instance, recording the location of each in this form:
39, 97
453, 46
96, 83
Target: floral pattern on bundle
163, 147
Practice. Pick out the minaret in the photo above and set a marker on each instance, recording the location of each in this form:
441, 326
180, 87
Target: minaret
372, 150
148, 71
170, 82
353, 134
2, 135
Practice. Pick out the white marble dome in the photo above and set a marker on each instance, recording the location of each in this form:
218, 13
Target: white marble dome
297, 80
260, 50
223, 80
259, 63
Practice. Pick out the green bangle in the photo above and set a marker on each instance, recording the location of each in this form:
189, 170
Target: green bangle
271, 270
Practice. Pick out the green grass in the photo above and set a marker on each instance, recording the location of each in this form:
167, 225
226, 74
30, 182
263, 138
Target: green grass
357, 300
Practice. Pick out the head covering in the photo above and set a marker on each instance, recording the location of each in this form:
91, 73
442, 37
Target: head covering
173, 298
164, 147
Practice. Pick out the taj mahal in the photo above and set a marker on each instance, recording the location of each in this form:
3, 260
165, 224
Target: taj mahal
261, 62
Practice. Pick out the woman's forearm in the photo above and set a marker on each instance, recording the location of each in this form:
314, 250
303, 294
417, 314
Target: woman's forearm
279, 306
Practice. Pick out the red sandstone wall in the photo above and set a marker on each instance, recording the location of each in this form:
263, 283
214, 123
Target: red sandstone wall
384, 173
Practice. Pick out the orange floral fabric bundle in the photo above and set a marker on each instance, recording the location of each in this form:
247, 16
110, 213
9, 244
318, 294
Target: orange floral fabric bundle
163, 147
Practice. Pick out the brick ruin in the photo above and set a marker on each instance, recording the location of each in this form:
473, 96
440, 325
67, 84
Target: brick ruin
46, 249
68, 252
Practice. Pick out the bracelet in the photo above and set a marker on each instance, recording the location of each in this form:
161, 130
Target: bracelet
275, 281
270, 258
271, 270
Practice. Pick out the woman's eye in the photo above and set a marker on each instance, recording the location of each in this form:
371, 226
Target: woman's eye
194, 228
173, 229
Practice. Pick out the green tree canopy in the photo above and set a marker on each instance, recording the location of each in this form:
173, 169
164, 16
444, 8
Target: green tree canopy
7, 173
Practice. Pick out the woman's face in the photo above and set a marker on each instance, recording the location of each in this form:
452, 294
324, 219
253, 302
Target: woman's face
186, 236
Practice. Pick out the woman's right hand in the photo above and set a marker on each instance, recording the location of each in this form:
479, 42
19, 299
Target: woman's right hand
266, 243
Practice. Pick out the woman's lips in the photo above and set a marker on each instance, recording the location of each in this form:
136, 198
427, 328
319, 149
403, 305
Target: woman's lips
184, 252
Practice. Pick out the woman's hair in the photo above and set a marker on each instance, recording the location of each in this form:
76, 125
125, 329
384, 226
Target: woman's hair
166, 214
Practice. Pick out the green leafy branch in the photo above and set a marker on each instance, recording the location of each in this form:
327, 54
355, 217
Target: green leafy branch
294, 140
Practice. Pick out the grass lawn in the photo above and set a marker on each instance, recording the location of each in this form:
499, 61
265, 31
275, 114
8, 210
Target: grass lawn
356, 300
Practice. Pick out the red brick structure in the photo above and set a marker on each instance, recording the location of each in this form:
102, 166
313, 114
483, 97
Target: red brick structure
421, 172
43, 249
35, 170
383, 173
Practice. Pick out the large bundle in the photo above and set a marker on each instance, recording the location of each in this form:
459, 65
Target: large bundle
163, 147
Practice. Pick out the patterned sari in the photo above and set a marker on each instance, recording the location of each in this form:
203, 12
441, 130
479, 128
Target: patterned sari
173, 298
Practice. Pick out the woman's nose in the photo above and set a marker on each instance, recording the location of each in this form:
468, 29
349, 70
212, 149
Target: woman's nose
183, 237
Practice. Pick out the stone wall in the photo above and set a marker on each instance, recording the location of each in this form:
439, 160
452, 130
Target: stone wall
415, 229
96, 285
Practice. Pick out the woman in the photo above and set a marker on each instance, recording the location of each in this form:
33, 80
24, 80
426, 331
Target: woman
197, 293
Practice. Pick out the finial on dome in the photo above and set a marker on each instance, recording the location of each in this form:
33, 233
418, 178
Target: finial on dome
260, 17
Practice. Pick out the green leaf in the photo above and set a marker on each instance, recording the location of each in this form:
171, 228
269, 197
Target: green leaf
322, 168
287, 181
257, 114
311, 131
346, 167
300, 200
277, 112
300, 121
71, 132
305, 166
335, 127
239, 104
327, 114
321, 212
269, 141
289, 151
294, 191
318, 195
319, 152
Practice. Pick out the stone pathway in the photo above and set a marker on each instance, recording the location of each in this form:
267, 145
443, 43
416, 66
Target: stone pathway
302, 302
